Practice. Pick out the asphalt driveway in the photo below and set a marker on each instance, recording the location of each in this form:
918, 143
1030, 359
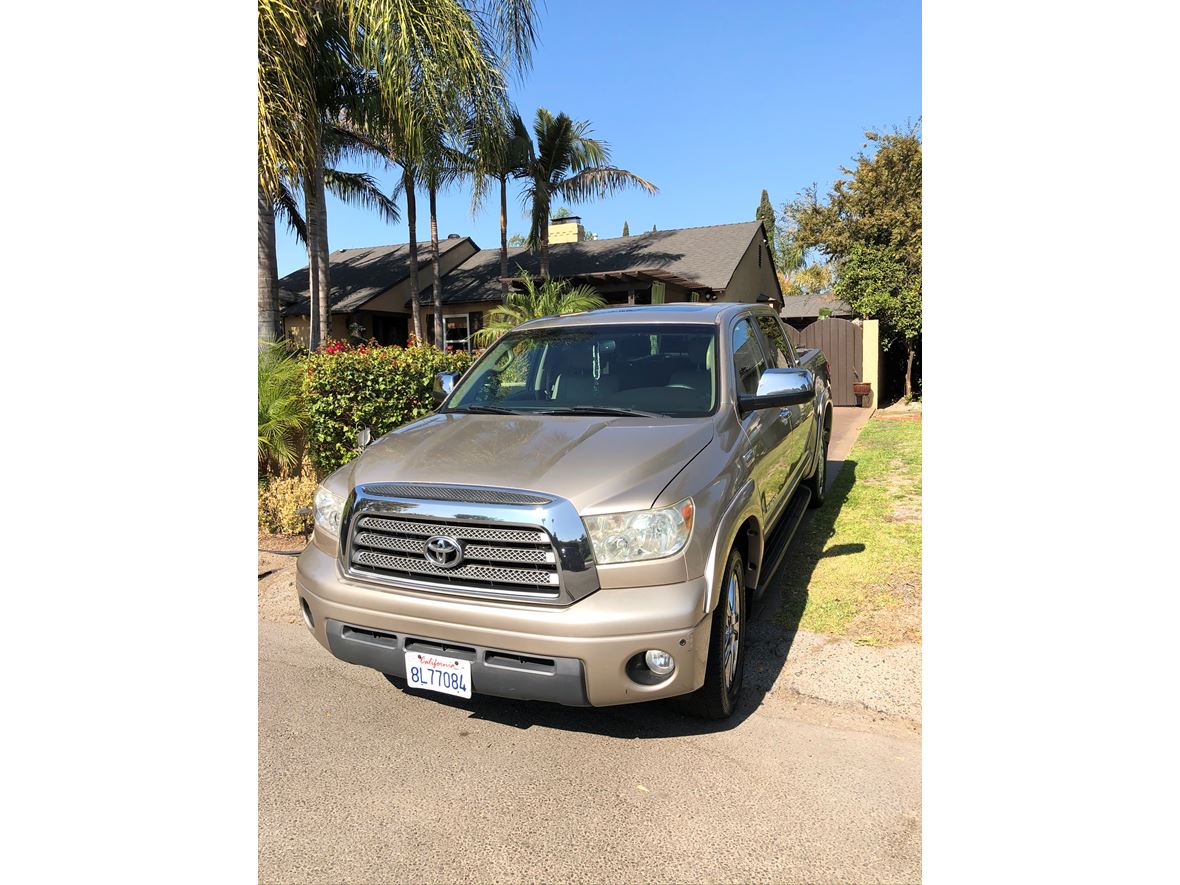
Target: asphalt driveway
360, 781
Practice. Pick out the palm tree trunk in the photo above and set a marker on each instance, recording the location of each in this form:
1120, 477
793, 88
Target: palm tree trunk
504, 235
412, 220
544, 237
313, 261
268, 273
323, 266
439, 334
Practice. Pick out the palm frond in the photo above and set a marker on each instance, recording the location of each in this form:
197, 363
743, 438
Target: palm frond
514, 22
550, 298
282, 411
286, 206
600, 181
361, 189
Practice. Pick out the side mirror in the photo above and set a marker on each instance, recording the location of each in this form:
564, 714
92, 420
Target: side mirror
778, 388
444, 383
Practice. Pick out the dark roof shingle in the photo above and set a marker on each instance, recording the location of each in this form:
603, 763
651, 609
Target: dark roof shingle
358, 275
704, 257
805, 306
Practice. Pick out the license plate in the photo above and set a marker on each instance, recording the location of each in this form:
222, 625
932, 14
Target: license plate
436, 673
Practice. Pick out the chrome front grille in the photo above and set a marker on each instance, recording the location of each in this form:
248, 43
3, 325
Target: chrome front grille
462, 532
508, 561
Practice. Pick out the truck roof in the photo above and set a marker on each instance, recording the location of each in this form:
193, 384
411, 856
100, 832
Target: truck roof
679, 313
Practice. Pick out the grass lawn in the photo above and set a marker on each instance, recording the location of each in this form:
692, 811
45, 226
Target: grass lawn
855, 569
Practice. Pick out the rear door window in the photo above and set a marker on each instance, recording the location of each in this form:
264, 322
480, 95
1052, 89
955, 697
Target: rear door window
781, 352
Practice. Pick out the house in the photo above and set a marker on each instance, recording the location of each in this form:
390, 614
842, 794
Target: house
370, 289
723, 262
800, 311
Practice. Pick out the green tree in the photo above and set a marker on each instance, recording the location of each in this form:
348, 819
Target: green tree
876, 282
879, 203
797, 275
875, 214
626, 230
517, 240
551, 298
565, 161
765, 214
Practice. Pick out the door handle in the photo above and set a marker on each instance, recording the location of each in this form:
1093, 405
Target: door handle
748, 457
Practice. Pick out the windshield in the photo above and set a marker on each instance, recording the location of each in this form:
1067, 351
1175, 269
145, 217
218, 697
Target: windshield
647, 369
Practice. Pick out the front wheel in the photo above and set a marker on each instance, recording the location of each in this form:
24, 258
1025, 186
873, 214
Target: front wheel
819, 478
718, 697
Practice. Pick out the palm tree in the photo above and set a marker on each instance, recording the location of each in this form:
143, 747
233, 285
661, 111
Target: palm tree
552, 298
567, 162
499, 149
283, 203
421, 55
442, 165
357, 188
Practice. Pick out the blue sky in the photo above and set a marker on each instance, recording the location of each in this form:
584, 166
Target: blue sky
710, 101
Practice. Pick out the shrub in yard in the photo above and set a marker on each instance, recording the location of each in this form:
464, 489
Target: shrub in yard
378, 387
279, 500
282, 415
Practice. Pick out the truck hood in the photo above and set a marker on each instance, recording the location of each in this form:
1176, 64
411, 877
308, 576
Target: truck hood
600, 464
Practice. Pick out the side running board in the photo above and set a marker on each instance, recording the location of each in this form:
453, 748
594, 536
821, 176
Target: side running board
780, 538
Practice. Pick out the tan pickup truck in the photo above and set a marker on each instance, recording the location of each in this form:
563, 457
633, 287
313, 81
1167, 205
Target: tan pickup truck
585, 518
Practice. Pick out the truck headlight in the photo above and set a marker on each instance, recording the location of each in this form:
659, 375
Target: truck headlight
640, 534
328, 509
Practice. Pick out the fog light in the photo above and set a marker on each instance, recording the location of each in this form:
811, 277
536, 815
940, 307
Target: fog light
307, 618
659, 662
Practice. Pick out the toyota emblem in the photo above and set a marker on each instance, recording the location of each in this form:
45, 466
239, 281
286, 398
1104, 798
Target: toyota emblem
443, 551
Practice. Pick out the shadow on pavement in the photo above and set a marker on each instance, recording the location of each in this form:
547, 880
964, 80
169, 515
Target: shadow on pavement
770, 633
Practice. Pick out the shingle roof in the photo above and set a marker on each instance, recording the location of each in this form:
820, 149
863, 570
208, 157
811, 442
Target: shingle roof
804, 306
705, 257
358, 275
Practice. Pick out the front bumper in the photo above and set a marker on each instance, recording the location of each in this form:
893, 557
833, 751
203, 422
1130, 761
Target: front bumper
598, 634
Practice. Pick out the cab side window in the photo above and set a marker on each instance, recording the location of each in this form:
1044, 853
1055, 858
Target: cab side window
781, 351
749, 362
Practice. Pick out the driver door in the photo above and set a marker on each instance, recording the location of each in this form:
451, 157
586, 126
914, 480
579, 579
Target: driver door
767, 432
800, 418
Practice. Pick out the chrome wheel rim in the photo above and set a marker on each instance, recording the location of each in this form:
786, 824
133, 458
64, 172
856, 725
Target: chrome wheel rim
731, 636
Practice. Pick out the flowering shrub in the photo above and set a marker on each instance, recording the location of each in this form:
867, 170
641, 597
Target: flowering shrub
378, 387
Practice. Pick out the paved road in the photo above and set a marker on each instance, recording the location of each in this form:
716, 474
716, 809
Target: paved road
360, 781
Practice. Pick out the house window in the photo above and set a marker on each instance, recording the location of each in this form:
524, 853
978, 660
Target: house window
457, 331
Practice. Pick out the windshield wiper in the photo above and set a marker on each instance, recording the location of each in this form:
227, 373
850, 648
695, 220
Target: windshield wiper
601, 410
485, 410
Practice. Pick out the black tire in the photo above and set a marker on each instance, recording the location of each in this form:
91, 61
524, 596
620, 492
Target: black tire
719, 696
819, 478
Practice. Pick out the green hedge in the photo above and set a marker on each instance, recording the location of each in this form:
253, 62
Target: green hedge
381, 387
